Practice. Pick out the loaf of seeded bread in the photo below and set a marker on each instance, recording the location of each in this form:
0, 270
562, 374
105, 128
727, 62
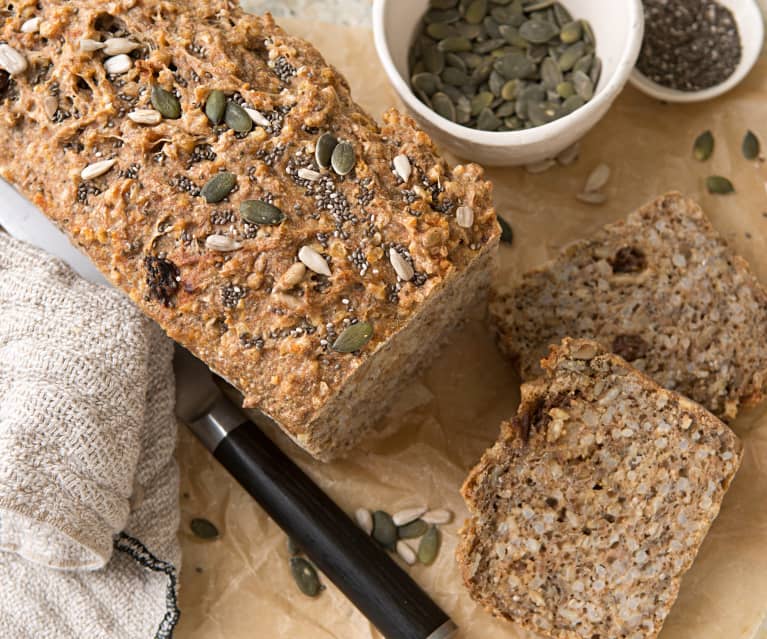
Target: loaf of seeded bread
315, 283
594, 501
662, 290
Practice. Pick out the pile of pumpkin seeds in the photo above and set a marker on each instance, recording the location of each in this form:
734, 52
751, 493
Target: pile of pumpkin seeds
503, 65
396, 532
703, 148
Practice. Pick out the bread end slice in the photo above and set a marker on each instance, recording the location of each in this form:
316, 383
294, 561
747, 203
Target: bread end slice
594, 501
661, 289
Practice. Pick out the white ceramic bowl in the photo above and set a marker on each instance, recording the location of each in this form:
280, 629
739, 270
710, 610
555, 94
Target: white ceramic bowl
748, 17
618, 26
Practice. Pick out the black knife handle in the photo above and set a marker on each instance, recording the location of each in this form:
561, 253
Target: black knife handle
351, 559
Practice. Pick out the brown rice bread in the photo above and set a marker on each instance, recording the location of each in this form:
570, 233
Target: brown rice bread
594, 501
661, 289
253, 312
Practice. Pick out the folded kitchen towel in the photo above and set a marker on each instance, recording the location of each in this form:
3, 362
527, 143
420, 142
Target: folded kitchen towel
88, 482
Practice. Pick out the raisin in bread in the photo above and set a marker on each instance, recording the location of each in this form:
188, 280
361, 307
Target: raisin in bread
662, 290
112, 125
594, 501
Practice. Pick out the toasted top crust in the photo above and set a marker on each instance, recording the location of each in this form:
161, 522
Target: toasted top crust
663, 290
145, 225
594, 501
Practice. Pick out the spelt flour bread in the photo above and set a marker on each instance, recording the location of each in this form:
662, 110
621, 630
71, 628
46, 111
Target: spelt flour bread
177, 143
663, 291
594, 501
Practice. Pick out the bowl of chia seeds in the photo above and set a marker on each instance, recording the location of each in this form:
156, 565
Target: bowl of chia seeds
695, 50
507, 82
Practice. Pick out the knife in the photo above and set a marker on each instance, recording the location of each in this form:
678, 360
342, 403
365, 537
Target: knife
349, 557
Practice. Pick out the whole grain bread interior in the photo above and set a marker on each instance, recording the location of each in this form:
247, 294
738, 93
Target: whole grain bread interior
594, 501
660, 288
380, 246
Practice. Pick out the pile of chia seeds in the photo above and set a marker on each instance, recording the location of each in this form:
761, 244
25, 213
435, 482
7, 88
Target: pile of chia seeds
689, 45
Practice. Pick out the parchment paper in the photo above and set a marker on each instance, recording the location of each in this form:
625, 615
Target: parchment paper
239, 586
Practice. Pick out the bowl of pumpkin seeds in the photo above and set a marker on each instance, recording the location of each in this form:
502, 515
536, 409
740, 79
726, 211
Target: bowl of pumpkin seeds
508, 82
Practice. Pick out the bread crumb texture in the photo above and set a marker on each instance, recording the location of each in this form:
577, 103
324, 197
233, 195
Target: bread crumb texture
595, 500
662, 290
106, 130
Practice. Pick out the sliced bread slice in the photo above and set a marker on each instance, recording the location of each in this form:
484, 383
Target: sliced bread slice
661, 289
595, 500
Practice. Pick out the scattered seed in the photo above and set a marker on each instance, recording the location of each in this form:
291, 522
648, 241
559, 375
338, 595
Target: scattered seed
314, 261
507, 235
591, 198
96, 169
488, 121
569, 155
439, 516
260, 212
443, 105
215, 106
703, 146
11, 60
293, 276
476, 11
454, 44
538, 31
165, 102
540, 167
561, 14
384, 530
31, 26
718, 185
750, 146
324, 151
464, 216
597, 178
401, 266
433, 59
571, 32
583, 85
222, 243
237, 118
50, 106
145, 116
402, 167
353, 338
429, 546
259, 118
218, 187
406, 553
412, 530
89, 46
364, 519
119, 64
308, 174
203, 529
116, 46
343, 158
305, 576
407, 515
293, 547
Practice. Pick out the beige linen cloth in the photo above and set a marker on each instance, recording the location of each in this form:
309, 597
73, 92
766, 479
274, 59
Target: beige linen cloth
88, 482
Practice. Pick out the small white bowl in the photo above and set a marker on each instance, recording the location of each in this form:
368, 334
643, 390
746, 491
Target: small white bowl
618, 26
748, 17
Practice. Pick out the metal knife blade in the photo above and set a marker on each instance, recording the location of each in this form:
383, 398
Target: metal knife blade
196, 392
24, 221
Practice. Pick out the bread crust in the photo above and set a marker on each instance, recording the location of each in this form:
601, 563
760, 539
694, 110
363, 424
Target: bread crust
145, 223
